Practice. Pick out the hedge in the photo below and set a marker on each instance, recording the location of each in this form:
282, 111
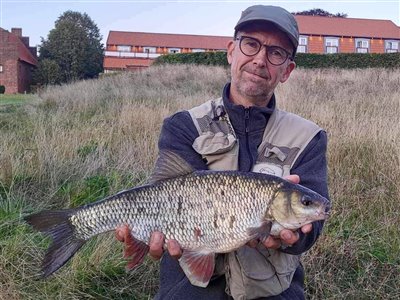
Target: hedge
198, 58
2, 89
303, 60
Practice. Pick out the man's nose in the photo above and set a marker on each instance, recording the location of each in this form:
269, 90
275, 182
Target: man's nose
261, 57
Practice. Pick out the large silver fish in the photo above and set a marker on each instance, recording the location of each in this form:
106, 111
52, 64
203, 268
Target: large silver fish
207, 212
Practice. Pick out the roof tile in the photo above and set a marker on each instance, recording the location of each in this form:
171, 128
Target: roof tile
351, 27
167, 40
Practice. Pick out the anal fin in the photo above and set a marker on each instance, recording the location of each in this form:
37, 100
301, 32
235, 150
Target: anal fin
197, 266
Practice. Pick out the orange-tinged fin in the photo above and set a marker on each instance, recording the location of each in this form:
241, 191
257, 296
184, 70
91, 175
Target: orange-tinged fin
198, 267
64, 244
135, 250
260, 232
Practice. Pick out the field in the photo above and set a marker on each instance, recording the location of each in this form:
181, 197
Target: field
74, 144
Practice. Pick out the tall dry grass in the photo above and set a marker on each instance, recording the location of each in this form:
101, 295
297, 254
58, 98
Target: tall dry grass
79, 142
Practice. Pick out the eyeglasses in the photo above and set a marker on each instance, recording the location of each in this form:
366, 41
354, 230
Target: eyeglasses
250, 46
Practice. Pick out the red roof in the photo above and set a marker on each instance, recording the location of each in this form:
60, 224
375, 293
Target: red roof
167, 40
23, 52
352, 27
123, 63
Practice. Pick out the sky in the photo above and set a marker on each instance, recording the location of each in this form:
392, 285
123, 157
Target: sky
204, 17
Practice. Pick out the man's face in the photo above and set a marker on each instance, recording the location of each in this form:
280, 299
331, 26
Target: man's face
254, 78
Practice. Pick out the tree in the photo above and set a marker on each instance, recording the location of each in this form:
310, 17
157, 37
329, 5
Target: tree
47, 72
74, 45
319, 12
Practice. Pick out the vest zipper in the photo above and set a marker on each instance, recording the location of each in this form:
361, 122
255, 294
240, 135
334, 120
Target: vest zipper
246, 124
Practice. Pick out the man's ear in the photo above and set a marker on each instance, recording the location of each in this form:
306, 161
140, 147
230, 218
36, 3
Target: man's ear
230, 47
289, 68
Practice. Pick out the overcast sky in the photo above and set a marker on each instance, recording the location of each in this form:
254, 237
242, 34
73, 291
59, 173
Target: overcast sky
36, 18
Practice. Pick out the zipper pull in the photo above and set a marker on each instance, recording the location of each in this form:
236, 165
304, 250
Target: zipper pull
246, 119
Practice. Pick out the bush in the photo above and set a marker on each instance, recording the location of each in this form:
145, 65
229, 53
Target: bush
199, 58
2, 89
303, 60
348, 60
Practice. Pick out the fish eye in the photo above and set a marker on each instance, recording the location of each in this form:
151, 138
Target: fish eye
306, 201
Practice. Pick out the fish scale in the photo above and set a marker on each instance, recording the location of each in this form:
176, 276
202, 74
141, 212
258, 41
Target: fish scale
207, 212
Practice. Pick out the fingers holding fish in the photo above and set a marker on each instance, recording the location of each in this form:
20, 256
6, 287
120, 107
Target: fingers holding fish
272, 242
122, 232
288, 237
293, 178
174, 249
306, 228
156, 245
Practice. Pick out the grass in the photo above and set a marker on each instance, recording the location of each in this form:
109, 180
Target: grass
77, 143
15, 99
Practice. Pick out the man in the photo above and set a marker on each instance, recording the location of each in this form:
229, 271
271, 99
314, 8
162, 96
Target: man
243, 130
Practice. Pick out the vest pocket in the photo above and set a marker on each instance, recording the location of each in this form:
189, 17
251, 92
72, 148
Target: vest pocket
220, 150
259, 272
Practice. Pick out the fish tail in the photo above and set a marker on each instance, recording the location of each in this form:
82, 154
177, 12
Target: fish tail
65, 244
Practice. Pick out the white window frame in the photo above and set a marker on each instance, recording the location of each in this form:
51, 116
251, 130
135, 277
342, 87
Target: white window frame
303, 44
124, 48
174, 50
331, 44
389, 46
195, 50
148, 49
365, 44
1, 68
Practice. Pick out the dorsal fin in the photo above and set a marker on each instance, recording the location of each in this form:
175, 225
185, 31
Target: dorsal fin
169, 165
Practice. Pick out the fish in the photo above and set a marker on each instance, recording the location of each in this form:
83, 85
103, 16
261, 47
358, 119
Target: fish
208, 212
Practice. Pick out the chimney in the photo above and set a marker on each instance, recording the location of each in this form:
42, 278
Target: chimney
17, 31
25, 40
33, 50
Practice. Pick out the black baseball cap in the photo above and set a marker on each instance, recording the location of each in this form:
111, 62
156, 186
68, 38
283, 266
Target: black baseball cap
280, 17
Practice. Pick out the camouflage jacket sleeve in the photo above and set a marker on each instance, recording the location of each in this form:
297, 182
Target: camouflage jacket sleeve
311, 166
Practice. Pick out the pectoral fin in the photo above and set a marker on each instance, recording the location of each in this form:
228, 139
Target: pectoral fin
135, 251
260, 232
198, 267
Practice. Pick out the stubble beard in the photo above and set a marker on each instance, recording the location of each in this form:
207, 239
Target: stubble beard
258, 94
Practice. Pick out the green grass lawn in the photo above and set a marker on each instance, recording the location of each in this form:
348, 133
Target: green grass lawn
15, 99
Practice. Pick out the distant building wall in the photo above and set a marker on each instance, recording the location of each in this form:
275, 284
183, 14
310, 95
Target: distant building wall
15, 72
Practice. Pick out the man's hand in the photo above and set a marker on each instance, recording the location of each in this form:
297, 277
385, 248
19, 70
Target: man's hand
286, 237
156, 244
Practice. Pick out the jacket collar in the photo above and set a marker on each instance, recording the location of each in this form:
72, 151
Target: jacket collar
258, 116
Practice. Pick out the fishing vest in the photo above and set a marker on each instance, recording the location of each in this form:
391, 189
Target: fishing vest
253, 272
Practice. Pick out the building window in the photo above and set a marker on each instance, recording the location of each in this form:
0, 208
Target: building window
124, 48
149, 49
198, 50
331, 45
174, 50
392, 46
362, 45
303, 42
1, 68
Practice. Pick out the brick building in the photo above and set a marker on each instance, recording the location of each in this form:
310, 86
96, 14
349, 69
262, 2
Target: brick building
347, 35
135, 50
17, 60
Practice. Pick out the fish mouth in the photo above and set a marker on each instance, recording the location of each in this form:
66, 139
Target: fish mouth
322, 215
